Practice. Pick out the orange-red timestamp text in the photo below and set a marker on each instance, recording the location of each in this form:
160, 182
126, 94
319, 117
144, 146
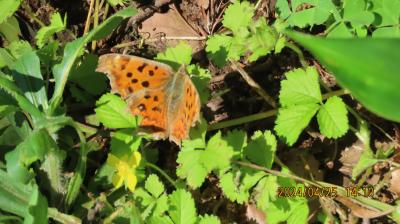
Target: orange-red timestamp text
307, 192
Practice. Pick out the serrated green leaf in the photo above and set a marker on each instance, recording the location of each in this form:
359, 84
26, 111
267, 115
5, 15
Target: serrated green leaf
10, 88
300, 87
263, 41
367, 67
111, 110
209, 219
56, 25
340, 31
291, 121
10, 29
261, 149
218, 49
191, 167
332, 118
182, 208
19, 48
237, 183
74, 50
176, 56
154, 185
317, 14
265, 191
299, 213
218, 153
8, 7
238, 16
237, 139
5, 58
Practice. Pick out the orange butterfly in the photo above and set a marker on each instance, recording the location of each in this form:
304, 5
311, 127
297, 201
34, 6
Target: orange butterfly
167, 100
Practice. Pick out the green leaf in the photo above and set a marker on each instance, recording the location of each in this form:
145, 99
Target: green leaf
45, 33
263, 41
10, 88
291, 121
332, 118
236, 184
117, 2
299, 213
238, 16
265, 191
19, 48
86, 73
355, 11
300, 87
218, 153
37, 208
200, 77
74, 50
10, 29
191, 167
28, 77
154, 185
340, 31
219, 49
33, 148
5, 58
367, 67
388, 11
124, 141
317, 14
261, 150
111, 110
14, 195
182, 209
8, 7
367, 159
387, 32
176, 56
209, 219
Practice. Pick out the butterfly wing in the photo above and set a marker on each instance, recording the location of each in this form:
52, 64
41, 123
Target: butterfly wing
187, 112
141, 82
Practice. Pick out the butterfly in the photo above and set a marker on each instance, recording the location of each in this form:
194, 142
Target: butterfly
167, 100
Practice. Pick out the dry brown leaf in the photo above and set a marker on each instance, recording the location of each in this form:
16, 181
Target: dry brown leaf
395, 182
350, 156
253, 213
360, 210
169, 24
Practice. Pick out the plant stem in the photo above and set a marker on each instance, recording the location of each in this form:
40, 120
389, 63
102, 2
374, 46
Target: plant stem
62, 218
262, 115
31, 14
95, 21
242, 120
269, 99
156, 168
298, 52
87, 24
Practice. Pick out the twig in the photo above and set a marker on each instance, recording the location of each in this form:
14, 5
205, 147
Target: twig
254, 85
87, 24
132, 43
147, 12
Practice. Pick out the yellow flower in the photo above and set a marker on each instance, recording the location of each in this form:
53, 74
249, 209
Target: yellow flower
125, 169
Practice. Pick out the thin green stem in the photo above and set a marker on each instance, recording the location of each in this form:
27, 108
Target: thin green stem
262, 115
242, 120
164, 174
31, 14
62, 218
298, 52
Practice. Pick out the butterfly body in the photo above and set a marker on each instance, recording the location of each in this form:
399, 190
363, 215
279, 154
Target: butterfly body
167, 101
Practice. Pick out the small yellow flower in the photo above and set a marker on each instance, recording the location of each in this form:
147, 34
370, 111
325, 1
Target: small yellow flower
125, 169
